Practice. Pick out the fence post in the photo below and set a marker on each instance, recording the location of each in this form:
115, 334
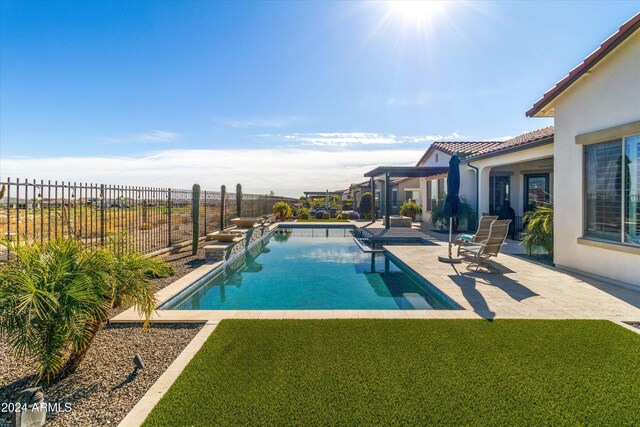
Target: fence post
195, 218
223, 196
102, 214
238, 200
169, 215
204, 223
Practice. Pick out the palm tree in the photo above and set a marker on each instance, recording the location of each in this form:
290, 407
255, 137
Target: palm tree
56, 296
282, 210
48, 294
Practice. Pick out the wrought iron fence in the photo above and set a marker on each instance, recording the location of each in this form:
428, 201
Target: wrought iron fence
150, 218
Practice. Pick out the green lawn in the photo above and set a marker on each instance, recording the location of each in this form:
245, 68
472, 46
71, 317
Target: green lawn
323, 220
410, 372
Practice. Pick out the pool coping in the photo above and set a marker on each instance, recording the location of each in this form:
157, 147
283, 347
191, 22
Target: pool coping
194, 279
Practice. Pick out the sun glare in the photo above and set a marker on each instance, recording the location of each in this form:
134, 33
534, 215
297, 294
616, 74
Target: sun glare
416, 11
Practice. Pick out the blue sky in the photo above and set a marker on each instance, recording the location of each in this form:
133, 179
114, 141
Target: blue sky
282, 96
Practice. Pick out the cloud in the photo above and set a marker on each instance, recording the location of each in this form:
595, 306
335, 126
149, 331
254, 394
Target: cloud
273, 122
158, 136
287, 171
346, 139
150, 136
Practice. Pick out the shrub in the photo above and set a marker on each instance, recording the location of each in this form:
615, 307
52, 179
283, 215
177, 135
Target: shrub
320, 214
326, 215
344, 215
56, 296
303, 213
354, 215
438, 219
365, 205
410, 208
539, 230
281, 210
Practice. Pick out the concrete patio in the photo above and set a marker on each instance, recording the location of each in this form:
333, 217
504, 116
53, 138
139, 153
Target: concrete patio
521, 289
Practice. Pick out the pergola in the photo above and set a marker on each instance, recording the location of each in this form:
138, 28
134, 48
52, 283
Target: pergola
397, 172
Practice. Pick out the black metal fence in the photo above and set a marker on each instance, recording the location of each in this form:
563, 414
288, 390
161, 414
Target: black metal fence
150, 218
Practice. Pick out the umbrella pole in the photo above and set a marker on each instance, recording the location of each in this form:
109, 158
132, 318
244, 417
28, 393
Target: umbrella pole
450, 259
450, 227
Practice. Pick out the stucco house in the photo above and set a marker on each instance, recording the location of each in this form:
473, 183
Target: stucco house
596, 111
518, 170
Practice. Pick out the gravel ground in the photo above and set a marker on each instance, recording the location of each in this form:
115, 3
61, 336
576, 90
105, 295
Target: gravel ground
106, 386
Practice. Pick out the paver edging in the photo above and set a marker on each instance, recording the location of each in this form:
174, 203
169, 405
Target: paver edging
145, 405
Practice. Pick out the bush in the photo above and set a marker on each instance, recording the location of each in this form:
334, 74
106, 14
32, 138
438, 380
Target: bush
365, 205
282, 210
539, 229
344, 215
410, 208
326, 215
320, 214
354, 215
438, 219
56, 296
303, 213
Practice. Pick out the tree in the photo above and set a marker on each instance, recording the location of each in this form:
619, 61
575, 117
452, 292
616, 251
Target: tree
365, 205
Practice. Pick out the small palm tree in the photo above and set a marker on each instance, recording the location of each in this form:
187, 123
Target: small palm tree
56, 296
539, 232
282, 210
48, 295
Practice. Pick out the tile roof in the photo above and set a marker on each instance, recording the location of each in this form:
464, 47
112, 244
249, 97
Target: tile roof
603, 50
463, 148
519, 141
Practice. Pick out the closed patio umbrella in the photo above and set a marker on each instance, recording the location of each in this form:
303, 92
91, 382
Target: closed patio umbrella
452, 206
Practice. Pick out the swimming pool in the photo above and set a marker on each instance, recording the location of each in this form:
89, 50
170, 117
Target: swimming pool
312, 269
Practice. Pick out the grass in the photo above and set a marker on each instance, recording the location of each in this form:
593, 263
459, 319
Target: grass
323, 220
410, 372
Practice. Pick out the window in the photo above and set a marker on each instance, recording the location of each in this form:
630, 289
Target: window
441, 194
410, 195
499, 192
394, 197
612, 190
436, 157
536, 191
429, 196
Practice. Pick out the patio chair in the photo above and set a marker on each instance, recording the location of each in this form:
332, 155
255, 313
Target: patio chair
479, 252
481, 234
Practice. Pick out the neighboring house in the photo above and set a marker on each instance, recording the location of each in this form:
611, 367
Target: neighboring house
403, 189
596, 109
357, 190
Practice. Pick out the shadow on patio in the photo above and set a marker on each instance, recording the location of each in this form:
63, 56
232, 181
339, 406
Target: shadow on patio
468, 283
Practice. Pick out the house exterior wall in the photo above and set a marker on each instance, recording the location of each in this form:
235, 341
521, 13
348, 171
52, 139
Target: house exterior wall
513, 163
609, 96
443, 160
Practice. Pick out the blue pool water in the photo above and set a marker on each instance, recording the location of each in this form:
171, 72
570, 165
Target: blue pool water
312, 269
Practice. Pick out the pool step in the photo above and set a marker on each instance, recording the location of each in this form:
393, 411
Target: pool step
417, 301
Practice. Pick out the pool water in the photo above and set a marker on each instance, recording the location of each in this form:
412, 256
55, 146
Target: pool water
312, 269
